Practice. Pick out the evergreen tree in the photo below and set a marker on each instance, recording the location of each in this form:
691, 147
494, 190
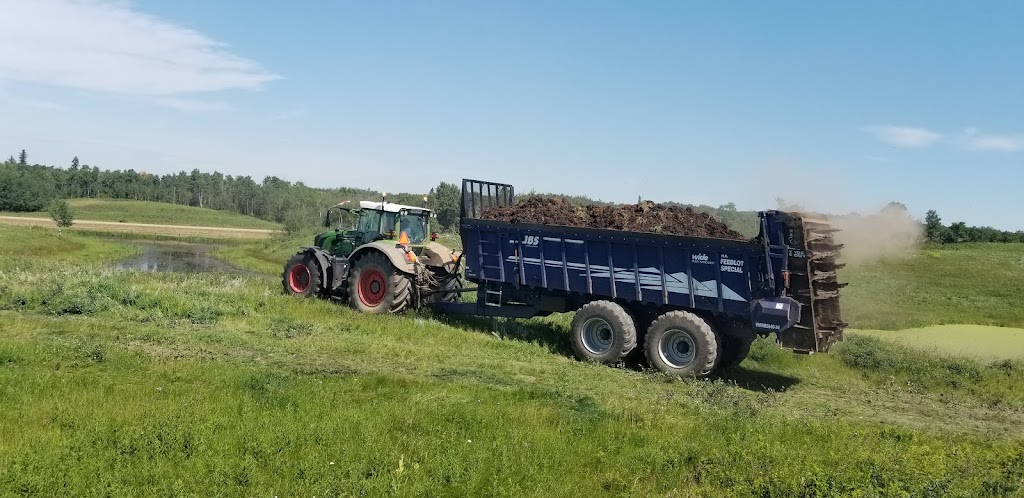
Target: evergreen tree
23, 158
933, 228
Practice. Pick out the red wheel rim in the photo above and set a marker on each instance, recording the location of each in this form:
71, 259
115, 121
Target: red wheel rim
298, 278
372, 287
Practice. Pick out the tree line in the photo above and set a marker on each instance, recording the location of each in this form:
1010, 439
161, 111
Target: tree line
33, 187
29, 187
958, 232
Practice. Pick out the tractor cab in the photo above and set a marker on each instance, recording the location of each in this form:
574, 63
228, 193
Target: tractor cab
373, 221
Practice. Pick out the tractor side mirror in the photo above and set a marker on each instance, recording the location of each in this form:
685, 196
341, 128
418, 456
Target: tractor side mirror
327, 219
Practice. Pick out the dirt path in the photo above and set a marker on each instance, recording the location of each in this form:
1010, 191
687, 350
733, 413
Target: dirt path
145, 228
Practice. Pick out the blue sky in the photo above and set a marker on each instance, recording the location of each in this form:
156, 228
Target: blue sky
840, 106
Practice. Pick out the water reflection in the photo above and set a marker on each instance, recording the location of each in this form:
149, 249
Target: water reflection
182, 257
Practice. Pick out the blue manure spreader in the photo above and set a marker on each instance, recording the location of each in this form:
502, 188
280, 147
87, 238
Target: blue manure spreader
693, 304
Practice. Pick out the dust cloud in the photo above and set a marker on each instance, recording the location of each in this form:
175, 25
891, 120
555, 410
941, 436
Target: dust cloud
891, 232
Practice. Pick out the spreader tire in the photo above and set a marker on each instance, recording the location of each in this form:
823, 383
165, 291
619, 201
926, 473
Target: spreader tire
734, 350
301, 276
683, 344
603, 331
376, 286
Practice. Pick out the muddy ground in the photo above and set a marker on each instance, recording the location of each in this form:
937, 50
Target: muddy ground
643, 217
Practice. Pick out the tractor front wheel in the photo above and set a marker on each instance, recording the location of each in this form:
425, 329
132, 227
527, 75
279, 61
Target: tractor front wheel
450, 280
301, 276
376, 286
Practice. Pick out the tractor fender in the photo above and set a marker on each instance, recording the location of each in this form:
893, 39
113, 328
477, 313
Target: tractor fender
395, 254
436, 255
323, 259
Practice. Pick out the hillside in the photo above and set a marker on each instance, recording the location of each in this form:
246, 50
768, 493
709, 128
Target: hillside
218, 384
978, 283
160, 213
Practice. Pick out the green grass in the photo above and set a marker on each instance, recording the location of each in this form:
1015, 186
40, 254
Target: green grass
28, 245
159, 213
123, 383
979, 284
266, 256
978, 341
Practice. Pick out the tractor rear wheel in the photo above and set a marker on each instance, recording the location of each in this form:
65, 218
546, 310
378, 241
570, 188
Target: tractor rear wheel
376, 286
301, 276
683, 344
603, 331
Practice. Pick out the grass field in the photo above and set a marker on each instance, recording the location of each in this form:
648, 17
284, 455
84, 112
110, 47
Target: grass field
266, 256
26, 245
157, 213
120, 383
979, 284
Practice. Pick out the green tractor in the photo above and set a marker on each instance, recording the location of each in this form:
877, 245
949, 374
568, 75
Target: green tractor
387, 262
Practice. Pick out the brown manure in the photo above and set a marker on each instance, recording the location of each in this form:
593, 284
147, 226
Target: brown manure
645, 216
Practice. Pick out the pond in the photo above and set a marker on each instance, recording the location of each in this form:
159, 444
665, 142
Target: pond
167, 256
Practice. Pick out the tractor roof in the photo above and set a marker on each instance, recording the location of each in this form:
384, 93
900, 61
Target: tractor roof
389, 206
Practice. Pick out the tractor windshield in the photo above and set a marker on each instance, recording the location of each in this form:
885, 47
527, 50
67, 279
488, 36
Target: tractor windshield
415, 227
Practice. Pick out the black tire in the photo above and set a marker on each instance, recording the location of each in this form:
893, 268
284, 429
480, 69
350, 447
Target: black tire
683, 344
734, 350
450, 280
301, 276
603, 331
376, 286
454, 284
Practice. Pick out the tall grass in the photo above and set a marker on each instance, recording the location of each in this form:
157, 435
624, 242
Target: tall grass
996, 383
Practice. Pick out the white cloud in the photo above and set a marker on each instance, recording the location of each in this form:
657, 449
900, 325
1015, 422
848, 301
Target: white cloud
904, 136
107, 46
974, 140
